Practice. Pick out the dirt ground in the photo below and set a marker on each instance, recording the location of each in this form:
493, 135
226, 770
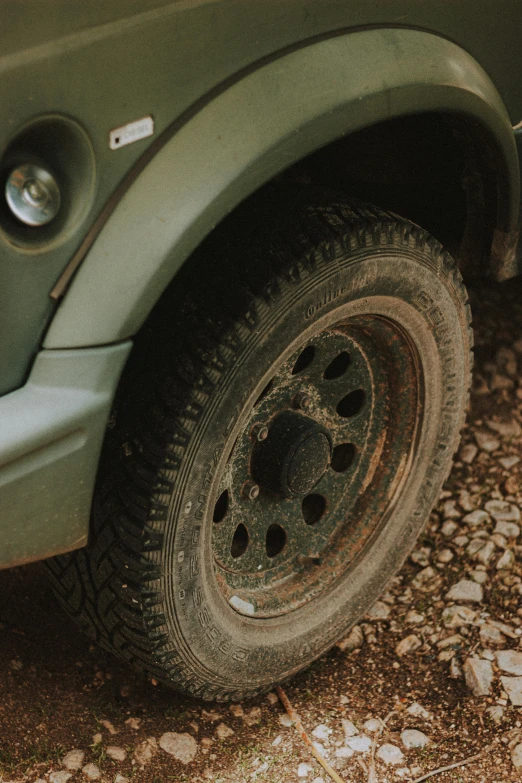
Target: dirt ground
58, 693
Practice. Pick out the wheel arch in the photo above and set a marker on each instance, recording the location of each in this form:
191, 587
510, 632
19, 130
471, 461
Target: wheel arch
256, 128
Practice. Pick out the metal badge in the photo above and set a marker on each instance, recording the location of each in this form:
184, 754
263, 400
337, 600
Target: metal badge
133, 131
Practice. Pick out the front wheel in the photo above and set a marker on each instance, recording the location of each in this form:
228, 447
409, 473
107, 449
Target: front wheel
283, 429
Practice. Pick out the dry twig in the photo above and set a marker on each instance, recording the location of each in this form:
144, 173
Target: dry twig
438, 771
304, 736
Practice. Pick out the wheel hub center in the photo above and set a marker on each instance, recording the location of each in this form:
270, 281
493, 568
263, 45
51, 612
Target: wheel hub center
293, 457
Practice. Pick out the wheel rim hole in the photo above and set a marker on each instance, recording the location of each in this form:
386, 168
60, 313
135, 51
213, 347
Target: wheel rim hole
304, 359
264, 393
275, 540
351, 403
337, 366
314, 508
239, 541
342, 457
221, 507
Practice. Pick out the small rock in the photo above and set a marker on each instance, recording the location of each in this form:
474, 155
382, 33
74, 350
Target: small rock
486, 441
272, 698
496, 713
145, 751
468, 453
411, 738
418, 711
361, 743
121, 778
502, 511
479, 676
73, 760
182, 746
91, 771
353, 641
507, 529
372, 725
509, 462
491, 635
303, 770
456, 616
344, 753
349, 728
460, 540
506, 561
390, 754
278, 740
116, 753
16, 665
426, 580
237, 710
252, 717
455, 672
449, 511
408, 644
133, 723
321, 732
476, 518
509, 661
516, 757
286, 720
379, 611
223, 731
479, 576
320, 748
465, 590
513, 688
108, 725
421, 556
414, 618
448, 528
445, 556
506, 429
60, 777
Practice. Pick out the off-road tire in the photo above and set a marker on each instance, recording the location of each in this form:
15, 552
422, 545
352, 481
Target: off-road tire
145, 587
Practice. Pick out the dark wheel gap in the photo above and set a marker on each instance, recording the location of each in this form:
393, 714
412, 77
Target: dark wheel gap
337, 366
313, 508
221, 507
342, 457
240, 541
351, 403
275, 540
304, 360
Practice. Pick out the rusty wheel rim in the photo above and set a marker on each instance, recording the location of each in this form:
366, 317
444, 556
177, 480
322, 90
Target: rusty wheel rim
315, 471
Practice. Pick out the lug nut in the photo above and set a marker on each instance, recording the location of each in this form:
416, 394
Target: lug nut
260, 431
250, 490
32, 194
302, 400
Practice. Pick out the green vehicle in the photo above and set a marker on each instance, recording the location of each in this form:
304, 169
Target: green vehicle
234, 338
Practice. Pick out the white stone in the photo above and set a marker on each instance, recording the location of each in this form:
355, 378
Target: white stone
414, 618
425, 578
320, 748
516, 757
456, 616
468, 453
252, 717
506, 561
408, 644
116, 753
133, 723
486, 441
73, 760
490, 635
361, 743
455, 672
485, 552
60, 777
448, 528
91, 772
145, 751
421, 556
344, 753
223, 731
286, 720
121, 778
475, 518
460, 540
510, 661
303, 770
449, 511
479, 576
379, 611
321, 732
465, 590
496, 713
182, 746
412, 738
418, 711
353, 641
507, 529
506, 429
236, 710
445, 556
278, 740
390, 754
349, 728
108, 725
479, 676
372, 725
502, 511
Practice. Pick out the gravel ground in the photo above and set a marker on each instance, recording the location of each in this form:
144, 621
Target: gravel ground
432, 676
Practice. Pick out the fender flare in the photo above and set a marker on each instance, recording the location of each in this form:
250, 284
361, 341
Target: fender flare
267, 120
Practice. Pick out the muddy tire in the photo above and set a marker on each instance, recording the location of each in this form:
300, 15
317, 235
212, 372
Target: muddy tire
283, 428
